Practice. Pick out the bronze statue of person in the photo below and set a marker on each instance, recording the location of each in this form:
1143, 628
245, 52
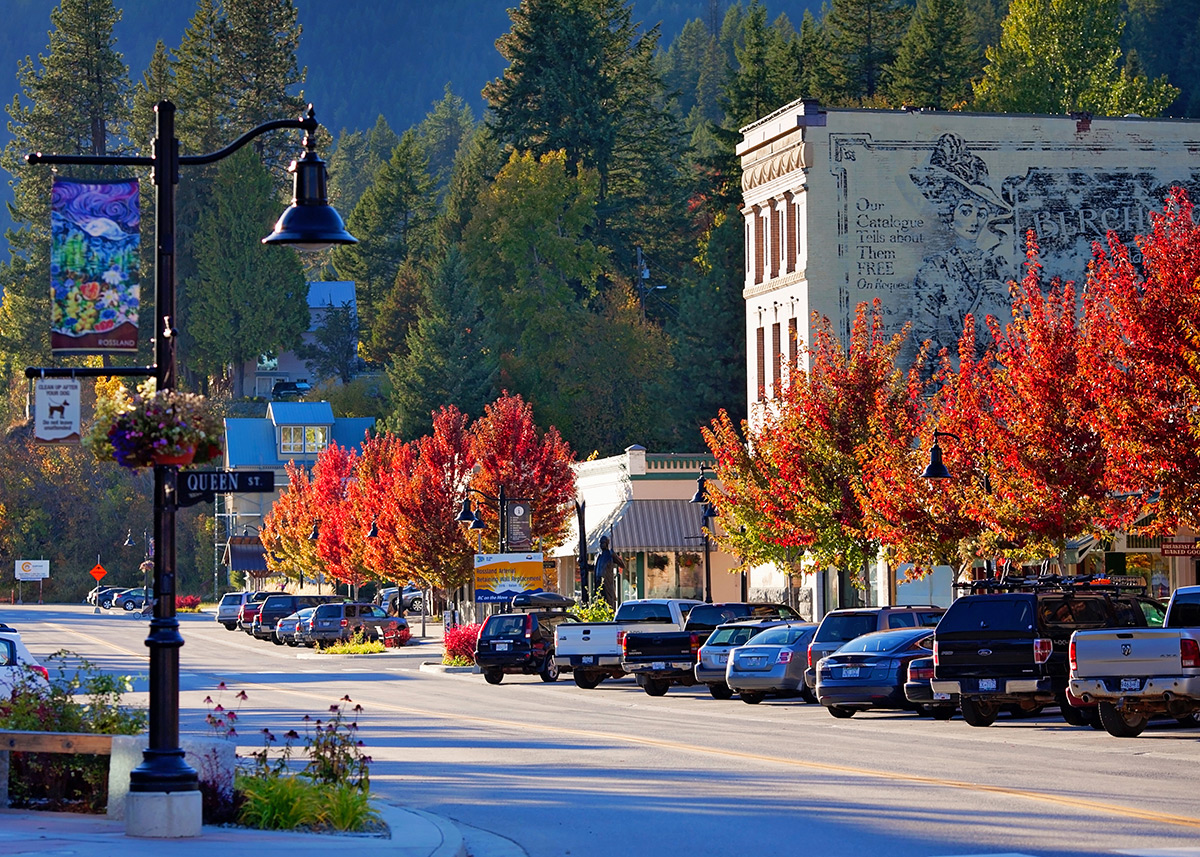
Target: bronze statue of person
607, 562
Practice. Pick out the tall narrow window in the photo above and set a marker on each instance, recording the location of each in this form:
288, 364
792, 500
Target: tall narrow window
792, 211
793, 342
761, 336
776, 354
759, 240
776, 248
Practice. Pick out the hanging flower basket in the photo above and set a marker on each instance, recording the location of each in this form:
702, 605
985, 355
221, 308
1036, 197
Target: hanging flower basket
156, 427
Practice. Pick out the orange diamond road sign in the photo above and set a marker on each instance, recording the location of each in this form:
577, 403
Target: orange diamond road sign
97, 572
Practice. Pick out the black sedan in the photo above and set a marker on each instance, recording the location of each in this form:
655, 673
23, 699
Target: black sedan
870, 671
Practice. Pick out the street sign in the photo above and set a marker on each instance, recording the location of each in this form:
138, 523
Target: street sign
203, 485
33, 569
97, 572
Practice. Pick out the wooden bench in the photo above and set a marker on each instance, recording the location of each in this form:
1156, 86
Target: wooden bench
13, 741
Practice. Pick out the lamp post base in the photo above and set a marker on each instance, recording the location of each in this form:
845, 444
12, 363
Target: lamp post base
163, 815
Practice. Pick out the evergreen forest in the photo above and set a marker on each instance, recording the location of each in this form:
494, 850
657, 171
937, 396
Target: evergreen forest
557, 219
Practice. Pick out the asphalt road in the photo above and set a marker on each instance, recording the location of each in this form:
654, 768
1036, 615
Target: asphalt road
612, 771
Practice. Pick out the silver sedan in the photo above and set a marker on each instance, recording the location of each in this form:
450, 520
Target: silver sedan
773, 662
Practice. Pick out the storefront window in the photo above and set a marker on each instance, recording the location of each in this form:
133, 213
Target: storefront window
1154, 569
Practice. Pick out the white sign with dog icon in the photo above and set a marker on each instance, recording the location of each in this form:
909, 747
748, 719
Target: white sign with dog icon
56, 410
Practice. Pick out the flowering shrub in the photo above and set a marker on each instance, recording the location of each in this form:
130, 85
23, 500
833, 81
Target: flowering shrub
132, 429
187, 602
459, 644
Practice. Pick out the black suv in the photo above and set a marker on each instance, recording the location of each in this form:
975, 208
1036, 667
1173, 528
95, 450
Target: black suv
1009, 646
276, 607
522, 643
283, 390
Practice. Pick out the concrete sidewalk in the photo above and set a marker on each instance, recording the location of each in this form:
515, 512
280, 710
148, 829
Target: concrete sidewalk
412, 833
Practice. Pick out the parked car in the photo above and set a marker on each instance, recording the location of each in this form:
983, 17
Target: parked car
396, 601
917, 690
284, 390
338, 622
285, 628
870, 671
249, 609
841, 626
101, 596
303, 632
522, 642
278, 605
660, 659
713, 657
771, 662
592, 650
17, 664
1134, 674
130, 599
1010, 647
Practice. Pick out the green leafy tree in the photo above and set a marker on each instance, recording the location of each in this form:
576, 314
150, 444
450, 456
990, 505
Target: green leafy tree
863, 38
937, 57
73, 100
447, 361
1063, 56
394, 224
245, 299
334, 350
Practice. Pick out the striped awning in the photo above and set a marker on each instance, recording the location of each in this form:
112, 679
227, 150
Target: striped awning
246, 553
650, 525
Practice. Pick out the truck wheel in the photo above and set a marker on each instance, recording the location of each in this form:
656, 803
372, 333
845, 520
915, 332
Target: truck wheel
549, 670
752, 697
493, 675
656, 686
979, 713
1072, 715
587, 680
230, 626
942, 712
841, 713
1188, 720
1121, 723
720, 691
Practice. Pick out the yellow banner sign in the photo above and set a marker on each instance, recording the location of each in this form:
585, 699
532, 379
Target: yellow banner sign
501, 576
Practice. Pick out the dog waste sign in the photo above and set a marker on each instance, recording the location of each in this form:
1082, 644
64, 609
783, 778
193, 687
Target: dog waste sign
204, 485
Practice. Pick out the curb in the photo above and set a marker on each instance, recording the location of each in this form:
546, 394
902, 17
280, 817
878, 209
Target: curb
452, 844
431, 667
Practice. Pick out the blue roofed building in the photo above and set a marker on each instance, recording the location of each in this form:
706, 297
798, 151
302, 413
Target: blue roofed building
291, 431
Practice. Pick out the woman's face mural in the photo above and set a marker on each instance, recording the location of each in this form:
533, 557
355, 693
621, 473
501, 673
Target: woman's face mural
969, 218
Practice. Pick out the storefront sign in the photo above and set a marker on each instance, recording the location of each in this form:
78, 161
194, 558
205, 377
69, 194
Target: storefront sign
1180, 549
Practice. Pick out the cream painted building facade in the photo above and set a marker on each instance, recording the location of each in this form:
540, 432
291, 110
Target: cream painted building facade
928, 212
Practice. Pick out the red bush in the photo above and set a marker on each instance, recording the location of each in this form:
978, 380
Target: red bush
395, 636
187, 602
460, 641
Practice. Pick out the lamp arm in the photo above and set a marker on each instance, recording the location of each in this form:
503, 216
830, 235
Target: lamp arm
308, 124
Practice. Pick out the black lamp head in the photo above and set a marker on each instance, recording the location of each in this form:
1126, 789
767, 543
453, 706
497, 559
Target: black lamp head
935, 469
701, 495
466, 514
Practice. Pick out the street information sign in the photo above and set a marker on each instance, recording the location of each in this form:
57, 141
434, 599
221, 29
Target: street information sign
204, 485
33, 569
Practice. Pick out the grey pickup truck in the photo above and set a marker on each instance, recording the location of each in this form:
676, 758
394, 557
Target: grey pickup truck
659, 659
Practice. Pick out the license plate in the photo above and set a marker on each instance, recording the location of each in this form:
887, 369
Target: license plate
850, 672
941, 696
721, 659
1131, 684
501, 647
987, 684
658, 665
754, 661
587, 659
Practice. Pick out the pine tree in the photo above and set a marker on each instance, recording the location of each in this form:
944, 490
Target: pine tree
74, 100
863, 36
442, 132
393, 222
355, 161
1063, 56
447, 360
936, 60
245, 300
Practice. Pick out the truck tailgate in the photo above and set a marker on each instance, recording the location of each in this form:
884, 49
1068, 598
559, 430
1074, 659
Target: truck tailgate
587, 639
1145, 651
668, 645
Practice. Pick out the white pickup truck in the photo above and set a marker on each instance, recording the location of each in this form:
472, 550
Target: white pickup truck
1133, 674
593, 649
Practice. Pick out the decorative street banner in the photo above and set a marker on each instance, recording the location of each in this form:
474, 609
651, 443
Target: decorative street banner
500, 576
94, 266
518, 535
56, 410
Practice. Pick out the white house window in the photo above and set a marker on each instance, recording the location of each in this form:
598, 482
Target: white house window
303, 439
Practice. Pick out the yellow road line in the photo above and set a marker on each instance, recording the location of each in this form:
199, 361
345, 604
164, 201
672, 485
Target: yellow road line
1060, 800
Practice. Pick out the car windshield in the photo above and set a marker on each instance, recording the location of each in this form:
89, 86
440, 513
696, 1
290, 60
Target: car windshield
991, 612
883, 641
1185, 611
734, 636
504, 626
231, 598
845, 626
784, 635
8, 652
325, 611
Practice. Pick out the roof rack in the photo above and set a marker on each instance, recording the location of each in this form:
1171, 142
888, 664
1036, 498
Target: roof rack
1046, 582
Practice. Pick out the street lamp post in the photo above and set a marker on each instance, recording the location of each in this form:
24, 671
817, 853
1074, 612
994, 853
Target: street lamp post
468, 515
164, 799
936, 469
148, 545
707, 512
